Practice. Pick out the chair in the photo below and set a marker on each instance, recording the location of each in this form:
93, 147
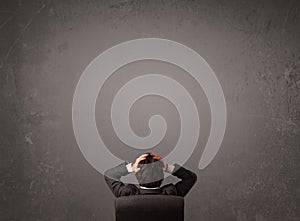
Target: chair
149, 207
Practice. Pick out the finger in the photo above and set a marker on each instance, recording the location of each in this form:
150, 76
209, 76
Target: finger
143, 155
140, 159
156, 156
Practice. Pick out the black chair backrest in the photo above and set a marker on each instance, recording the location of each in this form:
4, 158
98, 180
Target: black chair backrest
149, 208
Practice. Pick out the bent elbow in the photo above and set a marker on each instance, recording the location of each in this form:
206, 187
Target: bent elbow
194, 177
107, 174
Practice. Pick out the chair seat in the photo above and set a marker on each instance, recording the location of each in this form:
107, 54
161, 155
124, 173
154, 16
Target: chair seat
149, 207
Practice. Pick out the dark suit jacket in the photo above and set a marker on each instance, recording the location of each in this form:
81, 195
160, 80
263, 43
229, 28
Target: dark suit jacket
181, 188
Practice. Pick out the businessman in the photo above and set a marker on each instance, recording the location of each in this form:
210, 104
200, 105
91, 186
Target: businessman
150, 176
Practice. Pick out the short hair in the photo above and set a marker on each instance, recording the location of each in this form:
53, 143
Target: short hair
150, 174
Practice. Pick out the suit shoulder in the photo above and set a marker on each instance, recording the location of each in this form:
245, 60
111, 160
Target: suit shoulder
128, 190
169, 189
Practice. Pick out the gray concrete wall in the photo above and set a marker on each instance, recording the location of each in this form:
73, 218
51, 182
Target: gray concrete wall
253, 47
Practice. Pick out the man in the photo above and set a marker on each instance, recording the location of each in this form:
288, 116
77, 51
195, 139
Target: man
148, 169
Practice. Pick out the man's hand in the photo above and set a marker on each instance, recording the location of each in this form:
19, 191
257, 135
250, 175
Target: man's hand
135, 164
156, 156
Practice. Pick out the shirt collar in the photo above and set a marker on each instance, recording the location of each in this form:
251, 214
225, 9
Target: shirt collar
148, 188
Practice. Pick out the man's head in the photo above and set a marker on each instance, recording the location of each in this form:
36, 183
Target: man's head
150, 174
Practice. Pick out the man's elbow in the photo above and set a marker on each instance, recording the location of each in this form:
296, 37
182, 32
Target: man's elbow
107, 175
194, 177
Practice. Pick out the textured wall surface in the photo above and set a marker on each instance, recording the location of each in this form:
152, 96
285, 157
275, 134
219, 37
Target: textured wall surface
254, 49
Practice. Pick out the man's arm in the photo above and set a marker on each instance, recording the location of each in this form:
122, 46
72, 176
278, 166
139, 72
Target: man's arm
188, 178
113, 179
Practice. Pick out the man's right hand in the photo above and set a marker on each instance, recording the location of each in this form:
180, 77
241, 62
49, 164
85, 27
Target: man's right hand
134, 166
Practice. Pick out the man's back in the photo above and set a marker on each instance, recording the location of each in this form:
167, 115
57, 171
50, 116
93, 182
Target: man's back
181, 188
